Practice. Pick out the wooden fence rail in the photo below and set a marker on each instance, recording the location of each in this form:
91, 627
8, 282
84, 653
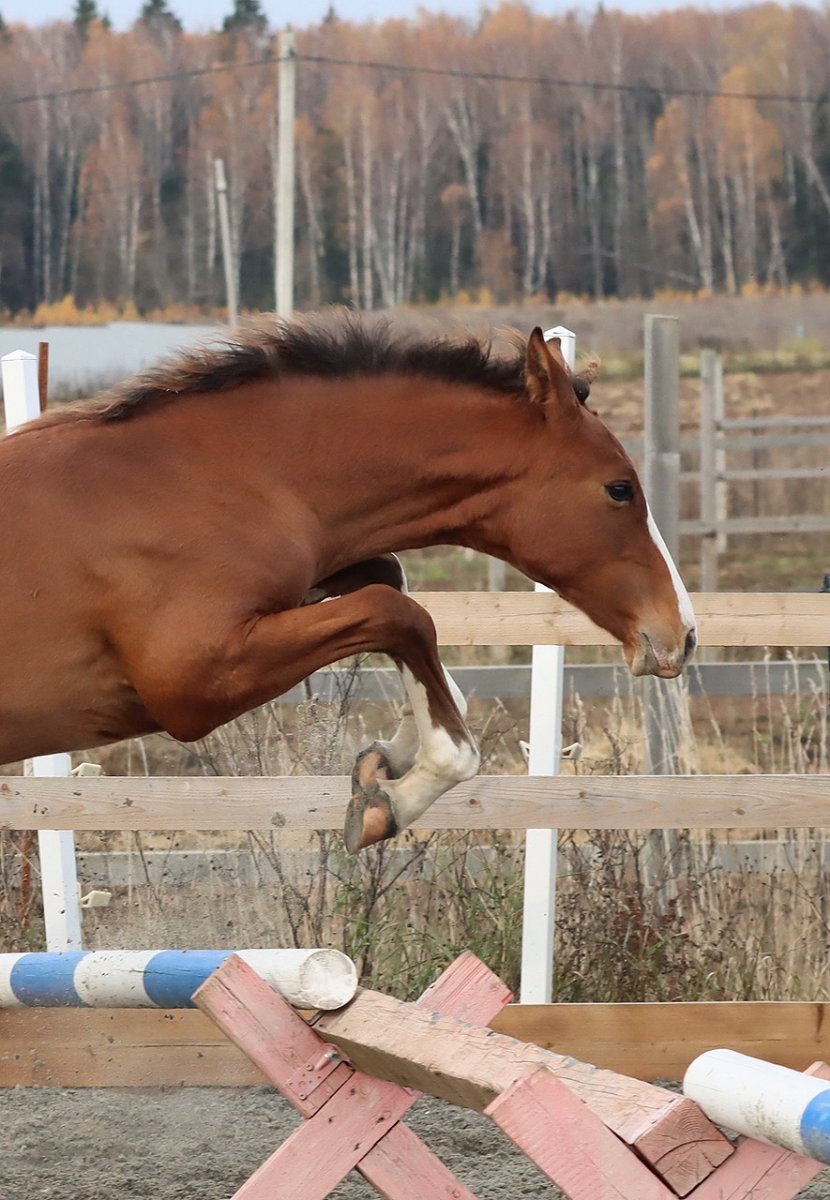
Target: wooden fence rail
487, 802
75, 1047
123, 1048
541, 618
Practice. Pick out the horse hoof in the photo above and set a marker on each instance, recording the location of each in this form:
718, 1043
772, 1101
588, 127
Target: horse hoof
369, 817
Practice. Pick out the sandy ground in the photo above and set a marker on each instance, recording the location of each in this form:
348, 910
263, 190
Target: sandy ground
202, 1143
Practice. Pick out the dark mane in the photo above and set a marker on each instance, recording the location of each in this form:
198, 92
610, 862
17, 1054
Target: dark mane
338, 345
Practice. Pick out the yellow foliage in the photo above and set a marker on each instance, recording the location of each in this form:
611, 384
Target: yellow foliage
751, 288
462, 299
469, 298
536, 300
573, 298
64, 312
675, 295
181, 314
67, 312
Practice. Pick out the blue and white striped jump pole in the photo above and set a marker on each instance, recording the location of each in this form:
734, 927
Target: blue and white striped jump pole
324, 979
762, 1100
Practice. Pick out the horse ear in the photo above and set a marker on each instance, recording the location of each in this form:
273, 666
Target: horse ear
547, 377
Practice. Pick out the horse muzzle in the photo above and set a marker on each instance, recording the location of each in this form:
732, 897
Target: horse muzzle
649, 657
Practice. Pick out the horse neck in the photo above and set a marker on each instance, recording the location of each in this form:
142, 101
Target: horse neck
406, 462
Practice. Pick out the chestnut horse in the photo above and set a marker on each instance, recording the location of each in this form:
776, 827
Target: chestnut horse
166, 548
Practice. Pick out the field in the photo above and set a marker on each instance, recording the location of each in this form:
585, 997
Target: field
638, 918
360, 905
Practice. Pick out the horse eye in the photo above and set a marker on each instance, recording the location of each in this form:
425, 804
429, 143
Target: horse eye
621, 492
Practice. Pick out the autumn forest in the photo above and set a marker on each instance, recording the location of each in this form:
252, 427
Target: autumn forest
516, 156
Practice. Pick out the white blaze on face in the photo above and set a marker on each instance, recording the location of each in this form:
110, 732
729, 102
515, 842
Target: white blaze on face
684, 604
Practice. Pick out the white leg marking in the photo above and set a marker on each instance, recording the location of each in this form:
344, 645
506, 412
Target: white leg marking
404, 581
439, 764
402, 748
456, 692
684, 604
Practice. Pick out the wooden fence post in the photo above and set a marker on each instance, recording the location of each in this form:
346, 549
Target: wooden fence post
662, 485
711, 488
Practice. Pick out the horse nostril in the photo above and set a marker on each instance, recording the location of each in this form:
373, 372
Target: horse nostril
691, 642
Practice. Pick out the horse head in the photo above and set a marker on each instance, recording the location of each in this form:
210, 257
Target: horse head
583, 527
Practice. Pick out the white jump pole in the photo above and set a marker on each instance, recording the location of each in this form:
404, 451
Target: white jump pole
59, 879
547, 684
762, 1100
324, 979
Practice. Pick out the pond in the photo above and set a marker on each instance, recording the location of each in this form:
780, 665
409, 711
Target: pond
82, 356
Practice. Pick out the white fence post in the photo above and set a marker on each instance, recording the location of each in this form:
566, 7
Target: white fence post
59, 879
661, 479
547, 683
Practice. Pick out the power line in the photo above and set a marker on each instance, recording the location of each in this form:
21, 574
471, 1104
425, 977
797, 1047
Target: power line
543, 81
120, 85
548, 81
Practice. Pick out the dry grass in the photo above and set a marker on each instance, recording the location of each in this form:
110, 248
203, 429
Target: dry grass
639, 918
653, 917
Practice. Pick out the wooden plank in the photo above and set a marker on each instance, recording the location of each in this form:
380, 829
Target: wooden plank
318, 1155
772, 441
350, 1113
658, 1041
558, 1133
117, 1048
468, 1066
749, 476
539, 618
760, 1172
312, 1162
796, 523
123, 1048
486, 802
271, 1034
401, 1167
776, 422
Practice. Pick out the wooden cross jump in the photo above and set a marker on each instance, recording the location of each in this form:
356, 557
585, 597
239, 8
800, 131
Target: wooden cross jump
353, 1074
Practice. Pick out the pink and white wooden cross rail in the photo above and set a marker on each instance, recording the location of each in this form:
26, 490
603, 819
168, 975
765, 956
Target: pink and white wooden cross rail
597, 1135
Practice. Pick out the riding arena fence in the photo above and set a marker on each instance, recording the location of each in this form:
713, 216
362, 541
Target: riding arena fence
123, 1047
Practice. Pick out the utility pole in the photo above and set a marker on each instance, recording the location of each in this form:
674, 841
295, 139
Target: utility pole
284, 233
231, 300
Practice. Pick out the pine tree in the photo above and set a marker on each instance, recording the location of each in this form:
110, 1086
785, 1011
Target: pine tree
85, 14
86, 11
246, 13
157, 15
17, 279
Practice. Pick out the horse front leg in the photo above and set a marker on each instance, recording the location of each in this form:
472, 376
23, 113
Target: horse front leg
191, 690
397, 756
433, 736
